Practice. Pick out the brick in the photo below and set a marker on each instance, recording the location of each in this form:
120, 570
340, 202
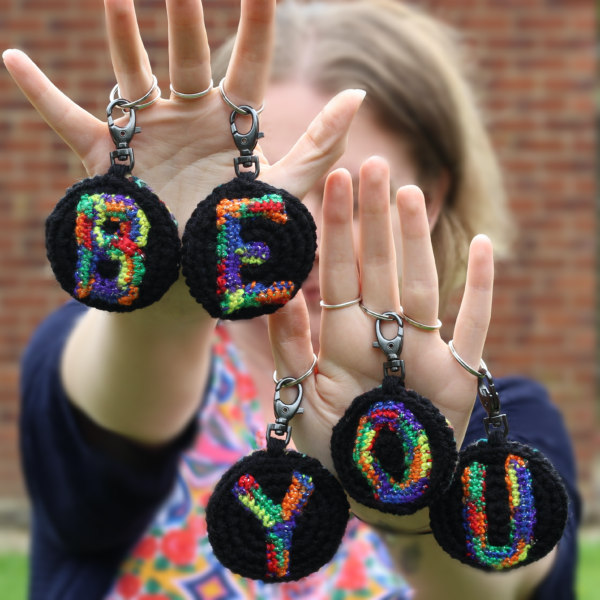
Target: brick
73, 25
74, 64
36, 44
21, 23
92, 45
45, 5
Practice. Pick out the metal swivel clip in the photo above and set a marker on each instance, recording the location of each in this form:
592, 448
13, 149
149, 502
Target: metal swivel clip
391, 348
491, 402
122, 136
246, 142
284, 413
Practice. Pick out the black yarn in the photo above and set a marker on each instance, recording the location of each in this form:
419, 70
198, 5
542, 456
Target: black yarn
162, 252
389, 448
292, 245
238, 538
550, 496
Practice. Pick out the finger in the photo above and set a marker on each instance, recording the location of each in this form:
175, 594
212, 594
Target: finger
377, 254
476, 307
289, 333
337, 258
189, 53
419, 276
319, 148
76, 127
248, 71
129, 58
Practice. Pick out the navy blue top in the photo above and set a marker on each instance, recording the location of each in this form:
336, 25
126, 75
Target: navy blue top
94, 492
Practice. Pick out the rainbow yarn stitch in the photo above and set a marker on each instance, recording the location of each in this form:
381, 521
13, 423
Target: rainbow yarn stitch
417, 453
522, 510
233, 253
278, 520
95, 245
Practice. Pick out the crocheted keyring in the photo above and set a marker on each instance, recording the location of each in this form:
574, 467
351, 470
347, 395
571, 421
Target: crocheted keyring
112, 243
393, 450
247, 249
506, 507
276, 515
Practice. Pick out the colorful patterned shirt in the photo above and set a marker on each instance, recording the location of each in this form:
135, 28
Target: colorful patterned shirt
111, 522
174, 560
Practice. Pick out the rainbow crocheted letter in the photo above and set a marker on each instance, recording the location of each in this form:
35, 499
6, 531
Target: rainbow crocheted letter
522, 514
233, 253
111, 230
278, 520
393, 415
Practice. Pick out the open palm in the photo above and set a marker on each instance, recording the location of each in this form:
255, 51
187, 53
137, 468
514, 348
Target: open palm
185, 147
348, 365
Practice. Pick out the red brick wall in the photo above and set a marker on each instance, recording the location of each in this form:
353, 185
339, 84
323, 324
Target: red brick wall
536, 61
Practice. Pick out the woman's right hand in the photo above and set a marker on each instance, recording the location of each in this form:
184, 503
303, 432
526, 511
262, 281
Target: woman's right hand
141, 374
185, 147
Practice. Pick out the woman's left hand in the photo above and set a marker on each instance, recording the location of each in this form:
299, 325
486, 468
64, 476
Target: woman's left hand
348, 365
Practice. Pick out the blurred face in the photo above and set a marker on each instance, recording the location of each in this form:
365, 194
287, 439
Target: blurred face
292, 107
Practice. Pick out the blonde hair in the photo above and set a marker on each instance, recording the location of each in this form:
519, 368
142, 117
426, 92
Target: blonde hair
412, 69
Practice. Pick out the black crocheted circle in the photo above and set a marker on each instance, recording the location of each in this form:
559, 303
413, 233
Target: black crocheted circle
550, 499
292, 246
162, 251
389, 449
239, 539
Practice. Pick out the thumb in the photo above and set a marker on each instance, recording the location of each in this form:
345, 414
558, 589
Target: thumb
319, 148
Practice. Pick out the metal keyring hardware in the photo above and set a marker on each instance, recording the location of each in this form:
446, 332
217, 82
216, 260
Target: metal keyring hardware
374, 314
192, 96
246, 143
290, 381
488, 396
137, 104
121, 136
392, 348
239, 110
343, 305
284, 413
420, 325
464, 365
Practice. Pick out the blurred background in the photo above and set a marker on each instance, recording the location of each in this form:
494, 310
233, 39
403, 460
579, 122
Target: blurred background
535, 65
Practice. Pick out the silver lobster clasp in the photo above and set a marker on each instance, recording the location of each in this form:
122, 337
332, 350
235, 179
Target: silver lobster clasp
122, 136
490, 401
246, 142
392, 347
284, 412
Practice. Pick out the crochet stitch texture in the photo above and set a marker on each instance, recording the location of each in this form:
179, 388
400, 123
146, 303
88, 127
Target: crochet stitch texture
276, 515
233, 253
124, 247
279, 520
393, 450
247, 249
112, 243
395, 417
522, 514
506, 507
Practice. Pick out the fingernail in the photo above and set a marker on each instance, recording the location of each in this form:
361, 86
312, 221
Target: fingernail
362, 93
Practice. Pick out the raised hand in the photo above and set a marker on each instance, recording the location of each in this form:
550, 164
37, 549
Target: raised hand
141, 374
348, 365
185, 148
